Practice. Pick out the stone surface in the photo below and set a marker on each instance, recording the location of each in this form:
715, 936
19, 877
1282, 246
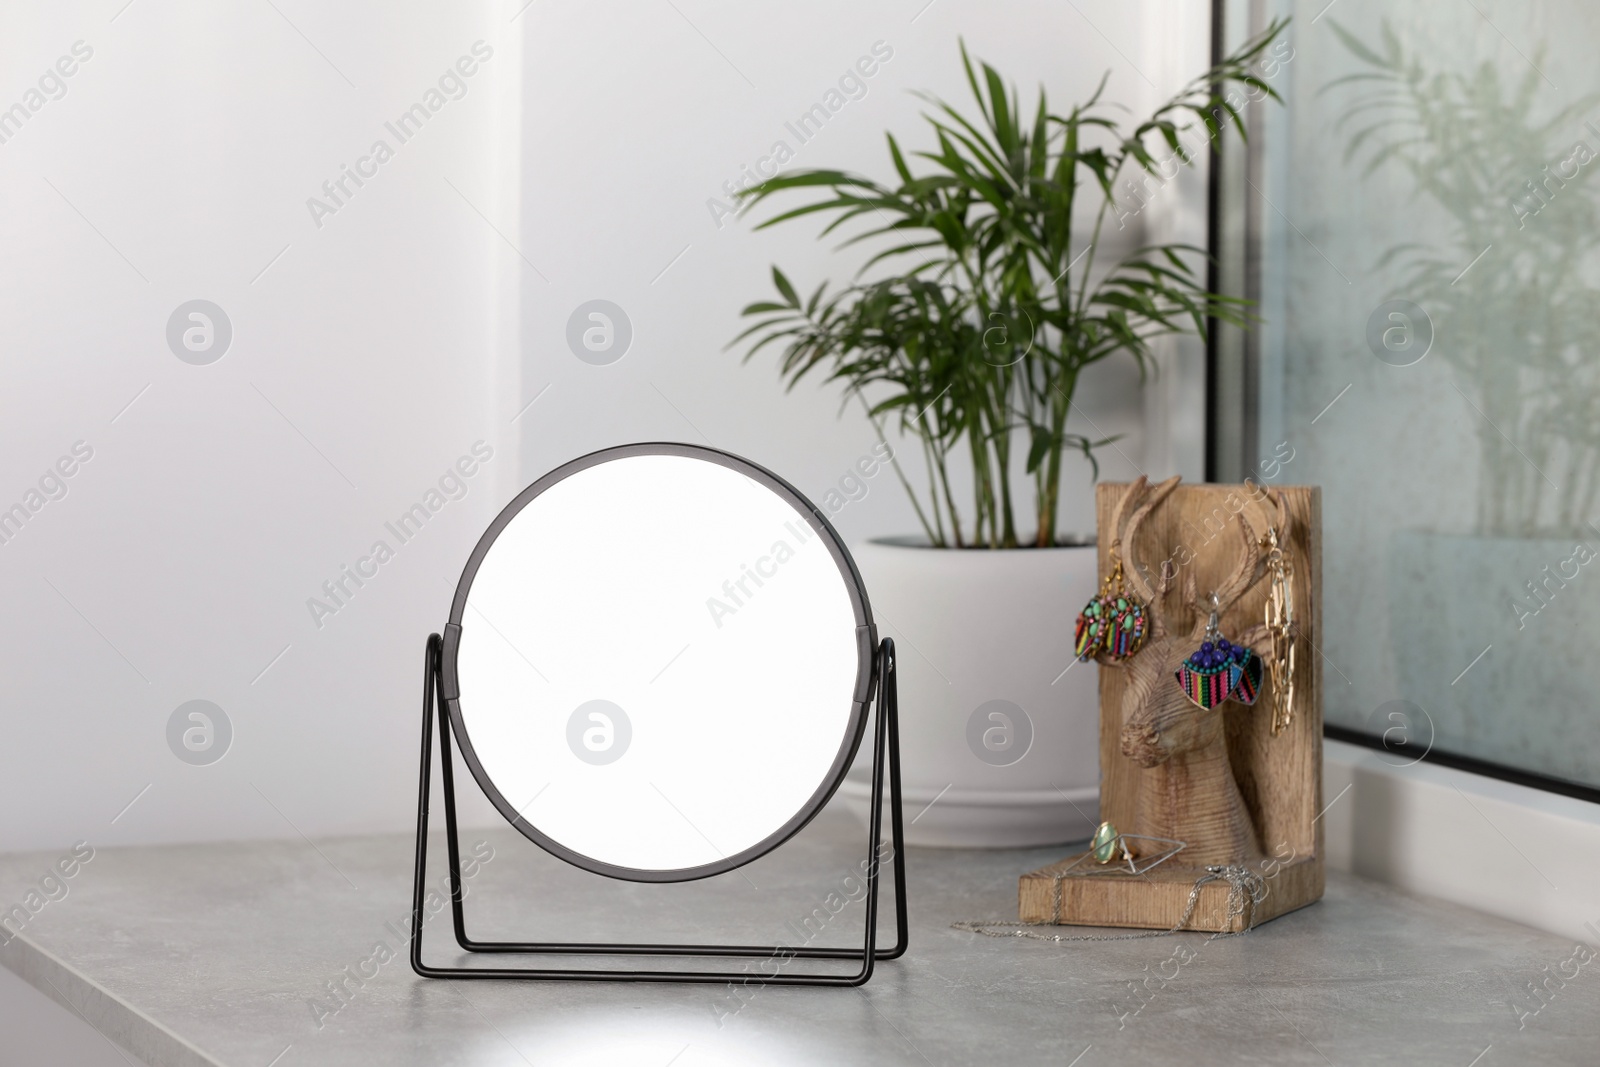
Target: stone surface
216, 954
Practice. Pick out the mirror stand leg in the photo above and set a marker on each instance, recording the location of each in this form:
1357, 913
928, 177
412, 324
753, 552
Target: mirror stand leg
886, 762
424, 787
889, 705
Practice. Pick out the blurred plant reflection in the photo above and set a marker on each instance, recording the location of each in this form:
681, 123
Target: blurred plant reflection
1511, 281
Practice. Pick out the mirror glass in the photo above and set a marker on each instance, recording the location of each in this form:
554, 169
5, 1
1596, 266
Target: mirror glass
658, 664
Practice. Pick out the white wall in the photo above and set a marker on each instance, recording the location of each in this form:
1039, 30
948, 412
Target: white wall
626, 146
419, 318
362, 365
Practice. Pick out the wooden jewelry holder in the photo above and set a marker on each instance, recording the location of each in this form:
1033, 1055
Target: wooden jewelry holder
1214, 778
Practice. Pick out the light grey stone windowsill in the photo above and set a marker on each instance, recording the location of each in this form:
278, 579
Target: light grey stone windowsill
215, 954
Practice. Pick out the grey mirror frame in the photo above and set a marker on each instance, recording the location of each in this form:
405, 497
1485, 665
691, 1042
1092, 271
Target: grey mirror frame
866, 649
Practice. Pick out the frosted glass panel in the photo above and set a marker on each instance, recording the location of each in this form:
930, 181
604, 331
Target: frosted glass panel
1429, 231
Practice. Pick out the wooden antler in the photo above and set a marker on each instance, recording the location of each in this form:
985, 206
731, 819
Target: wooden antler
1249, 567
1282, 519
1277, 517
1135, 492
1245, 573
1275, 513
1126, 541
1258, 636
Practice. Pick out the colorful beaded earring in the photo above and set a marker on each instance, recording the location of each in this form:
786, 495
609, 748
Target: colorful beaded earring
1113, 624
1219, 670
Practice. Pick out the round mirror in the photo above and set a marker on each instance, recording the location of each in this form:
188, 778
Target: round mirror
662, 664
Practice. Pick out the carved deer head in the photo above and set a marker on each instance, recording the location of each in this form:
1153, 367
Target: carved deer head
1187, 791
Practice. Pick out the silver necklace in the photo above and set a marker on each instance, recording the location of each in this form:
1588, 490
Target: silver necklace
1244, 885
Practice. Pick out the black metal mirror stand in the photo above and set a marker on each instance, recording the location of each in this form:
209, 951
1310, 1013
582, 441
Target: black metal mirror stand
885, 752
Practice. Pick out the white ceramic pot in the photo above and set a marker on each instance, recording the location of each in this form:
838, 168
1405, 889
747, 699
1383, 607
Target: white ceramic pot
999, 726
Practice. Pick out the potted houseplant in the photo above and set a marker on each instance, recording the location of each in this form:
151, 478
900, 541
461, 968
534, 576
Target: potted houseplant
966, 332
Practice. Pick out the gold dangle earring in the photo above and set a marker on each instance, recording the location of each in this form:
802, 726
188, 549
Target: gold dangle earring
1280, 628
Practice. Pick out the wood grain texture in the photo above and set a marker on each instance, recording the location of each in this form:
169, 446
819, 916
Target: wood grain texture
1215, 779
1156, 900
